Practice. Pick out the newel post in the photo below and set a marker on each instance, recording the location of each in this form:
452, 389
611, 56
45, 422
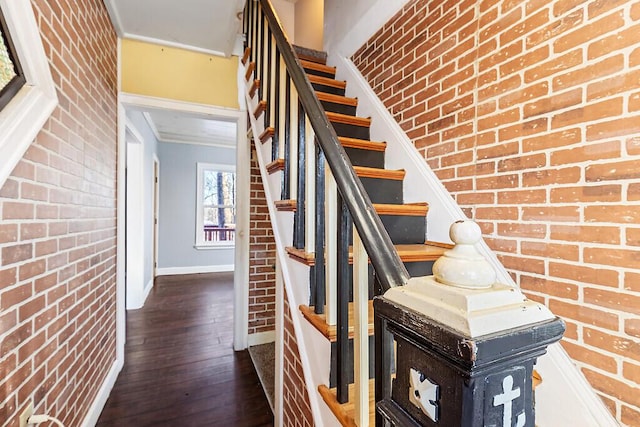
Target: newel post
465, 345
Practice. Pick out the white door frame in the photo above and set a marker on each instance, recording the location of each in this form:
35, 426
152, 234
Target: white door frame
243, 172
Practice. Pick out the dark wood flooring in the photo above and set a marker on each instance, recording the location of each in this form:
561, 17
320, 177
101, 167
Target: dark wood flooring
180, 367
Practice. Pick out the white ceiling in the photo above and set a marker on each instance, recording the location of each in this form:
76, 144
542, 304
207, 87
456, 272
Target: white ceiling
208, 26
180, 127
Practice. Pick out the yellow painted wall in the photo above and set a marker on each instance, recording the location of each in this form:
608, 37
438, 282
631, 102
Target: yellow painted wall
309, 16
178, 74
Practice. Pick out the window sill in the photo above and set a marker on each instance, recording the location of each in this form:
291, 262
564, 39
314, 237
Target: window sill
209, 247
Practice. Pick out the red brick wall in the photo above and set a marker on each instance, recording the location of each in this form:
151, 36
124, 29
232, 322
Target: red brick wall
529, 112
262, 259
296, 406
57, 229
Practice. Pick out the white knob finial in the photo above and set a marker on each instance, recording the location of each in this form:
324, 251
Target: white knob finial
463, 266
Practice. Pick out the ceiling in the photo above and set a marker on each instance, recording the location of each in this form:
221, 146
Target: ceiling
180, 127
210, 26
207, 26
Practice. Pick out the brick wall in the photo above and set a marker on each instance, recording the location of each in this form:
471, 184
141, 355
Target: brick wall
262, 258
296, 406
57, 229
529, 113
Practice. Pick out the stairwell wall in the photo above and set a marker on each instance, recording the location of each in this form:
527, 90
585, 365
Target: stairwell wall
58, 228
262, 259
529, 113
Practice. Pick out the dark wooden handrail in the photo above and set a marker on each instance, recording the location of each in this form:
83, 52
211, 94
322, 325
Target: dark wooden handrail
390, 271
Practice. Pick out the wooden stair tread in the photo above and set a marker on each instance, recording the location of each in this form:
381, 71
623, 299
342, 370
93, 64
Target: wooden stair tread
337, 99
275, 166
367, 172
316, 66
319, 321
311, 55
260, 108
245, 56
326, 81
348, 120
407, 209
345, 412
429, 251
362, 144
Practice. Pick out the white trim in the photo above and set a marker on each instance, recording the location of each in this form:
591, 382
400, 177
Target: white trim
278, 404
213, 246
121, 289
135, 221
169, 271
241, 282
91, 419
241, 258
563, 386
182, 46
260, 338
30, 108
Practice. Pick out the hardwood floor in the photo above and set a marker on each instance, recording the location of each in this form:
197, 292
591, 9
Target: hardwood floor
180, 367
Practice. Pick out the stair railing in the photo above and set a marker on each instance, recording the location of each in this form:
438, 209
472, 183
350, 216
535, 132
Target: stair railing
299, 130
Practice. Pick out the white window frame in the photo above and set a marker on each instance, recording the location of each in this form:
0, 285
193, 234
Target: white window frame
27, 112
200, 243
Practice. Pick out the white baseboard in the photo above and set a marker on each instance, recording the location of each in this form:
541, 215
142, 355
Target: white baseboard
261, 338
194, 270
91, 419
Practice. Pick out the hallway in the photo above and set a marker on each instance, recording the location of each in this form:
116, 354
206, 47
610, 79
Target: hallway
180, 367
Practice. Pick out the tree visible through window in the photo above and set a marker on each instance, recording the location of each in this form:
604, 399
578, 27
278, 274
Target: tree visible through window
216, 208
11, 75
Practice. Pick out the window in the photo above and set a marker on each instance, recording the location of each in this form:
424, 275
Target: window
216, 211
27, 92
11, 75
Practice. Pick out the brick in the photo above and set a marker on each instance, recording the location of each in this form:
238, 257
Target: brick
551, 250
550, 287
590, 113
613, 85
553, 66
583, 314
604, 68
592, 194
522, 264
614, 300
551, 214
627, 38
589, 32
613, 343
626, 258
612, 171
553, 103
586, 233
586, 152
552, 140
613, 128
590, 357
584, 274
630, 416
17, 210
545, 177
522, 197
555, 28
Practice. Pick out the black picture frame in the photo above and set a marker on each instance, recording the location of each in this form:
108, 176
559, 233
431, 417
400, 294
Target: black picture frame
19, 80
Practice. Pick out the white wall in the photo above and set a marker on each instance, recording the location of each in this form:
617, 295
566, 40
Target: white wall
177, 214
348, 24
287, 14
140, 211
310, 13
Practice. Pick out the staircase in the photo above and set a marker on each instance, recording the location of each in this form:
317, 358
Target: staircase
404, 222
345, 229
